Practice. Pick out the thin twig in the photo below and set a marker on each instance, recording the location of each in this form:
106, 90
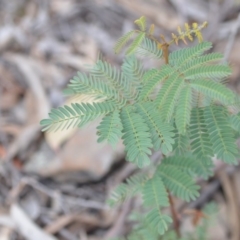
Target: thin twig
117, 228
176, 222
54, 194
28, 229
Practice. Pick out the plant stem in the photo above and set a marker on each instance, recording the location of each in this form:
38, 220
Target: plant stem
174, 215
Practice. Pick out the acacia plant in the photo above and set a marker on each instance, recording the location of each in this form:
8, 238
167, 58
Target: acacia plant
181, 108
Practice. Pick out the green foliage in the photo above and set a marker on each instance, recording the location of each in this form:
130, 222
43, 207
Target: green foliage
136, 137
126, 190
154, 193
183, 112
181, 143
141, 23
152, 79
201, 232
110, 128
202, 60
214, 90
180, 108
161, 132
178, 182
123, 41
221, 134
201, 144
190, 164
185, 56
149, 48
158, 221
235, 122
168, 96
136, 43
143, 231
76, 115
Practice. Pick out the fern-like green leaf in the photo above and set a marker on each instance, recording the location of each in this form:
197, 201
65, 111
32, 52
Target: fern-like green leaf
212, 72
200, 141
119, 195
214, 90
123, 41
143, 230
127, 190
154, 193
202, 167
83, 84
168, 96
158, 221
181, 143
221, 134
153, 80
136, 43
141, 23
110, 128
166, 89
234, 121
183, 163
149, 48
103, 71
76, 115
161, 132
136, 137
133, 72
178, 182
202, 60
181, 57
149, 74
183, 112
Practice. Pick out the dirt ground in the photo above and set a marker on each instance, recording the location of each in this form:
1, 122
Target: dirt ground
55, 185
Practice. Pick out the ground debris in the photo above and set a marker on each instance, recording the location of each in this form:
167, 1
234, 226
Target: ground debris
57, 189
